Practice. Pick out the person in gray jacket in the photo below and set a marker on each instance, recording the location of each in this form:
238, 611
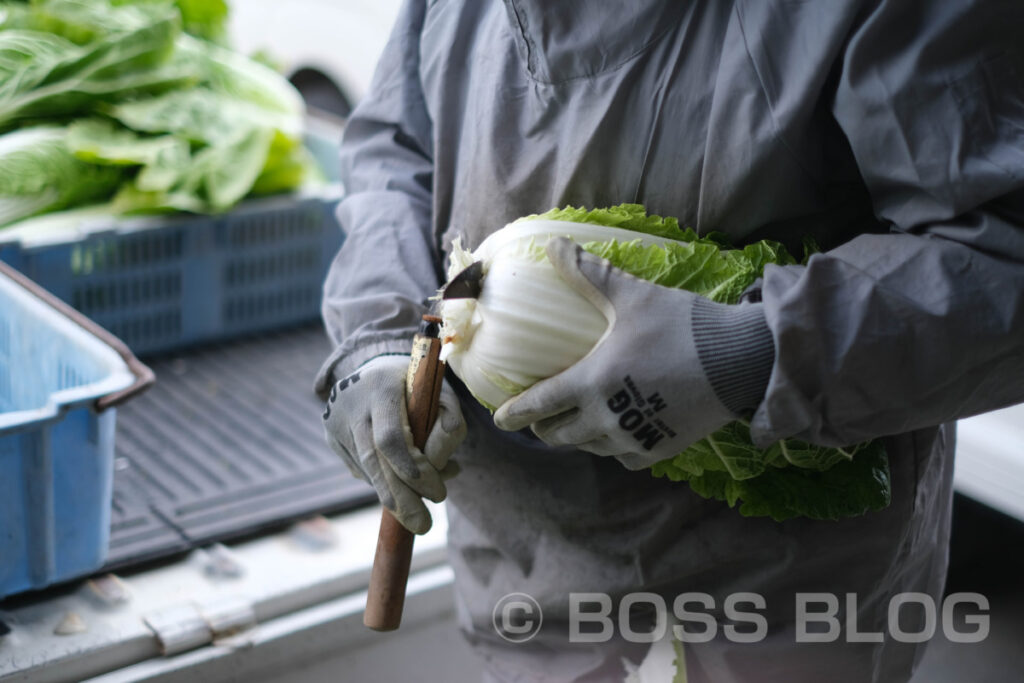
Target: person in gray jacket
890, 131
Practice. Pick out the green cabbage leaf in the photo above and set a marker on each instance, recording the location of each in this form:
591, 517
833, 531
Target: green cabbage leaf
158, 116
39, 173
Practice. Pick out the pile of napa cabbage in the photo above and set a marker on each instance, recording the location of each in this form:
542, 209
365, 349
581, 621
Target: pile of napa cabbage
129, 106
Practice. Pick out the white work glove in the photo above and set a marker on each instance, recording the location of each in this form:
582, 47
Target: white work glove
366, 423
642, 394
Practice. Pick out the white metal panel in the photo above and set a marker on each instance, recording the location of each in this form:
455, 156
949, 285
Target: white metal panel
312, 563
990, 460
329, 644
342, 39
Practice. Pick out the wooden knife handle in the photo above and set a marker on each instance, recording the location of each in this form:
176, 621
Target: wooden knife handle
386, 596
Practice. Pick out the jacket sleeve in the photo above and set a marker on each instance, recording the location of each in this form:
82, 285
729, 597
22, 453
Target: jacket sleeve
888, 333
389, 264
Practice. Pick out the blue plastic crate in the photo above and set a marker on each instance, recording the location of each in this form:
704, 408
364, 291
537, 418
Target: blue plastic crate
56, 441
162, 283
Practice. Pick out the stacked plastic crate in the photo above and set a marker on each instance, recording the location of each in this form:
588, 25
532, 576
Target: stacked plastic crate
159, 284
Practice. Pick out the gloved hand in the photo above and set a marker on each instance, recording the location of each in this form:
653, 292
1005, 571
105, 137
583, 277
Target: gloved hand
643, 393
366, 423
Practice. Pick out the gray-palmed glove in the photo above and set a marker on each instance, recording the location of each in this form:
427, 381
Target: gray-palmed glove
366, 423
672, 367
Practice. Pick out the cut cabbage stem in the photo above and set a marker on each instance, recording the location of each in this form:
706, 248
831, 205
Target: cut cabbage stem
528, 323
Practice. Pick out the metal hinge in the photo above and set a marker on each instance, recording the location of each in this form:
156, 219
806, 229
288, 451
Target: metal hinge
181, 628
